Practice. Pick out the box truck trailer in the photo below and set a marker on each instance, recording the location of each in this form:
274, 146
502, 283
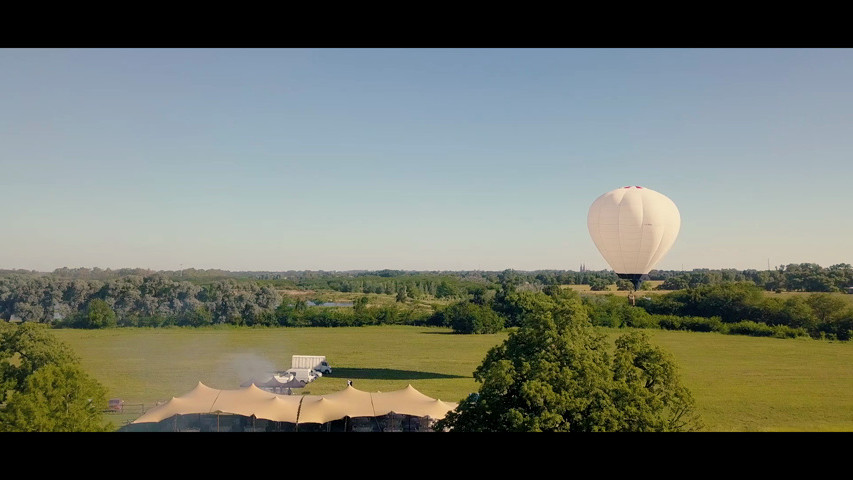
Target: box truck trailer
314, 362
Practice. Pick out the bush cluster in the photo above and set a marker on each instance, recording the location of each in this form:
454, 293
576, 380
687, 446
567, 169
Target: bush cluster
819, 315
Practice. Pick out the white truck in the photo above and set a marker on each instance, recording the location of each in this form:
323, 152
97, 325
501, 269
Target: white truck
306, 375
313, 362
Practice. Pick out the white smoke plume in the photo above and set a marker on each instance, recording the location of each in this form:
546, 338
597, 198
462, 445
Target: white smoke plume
249, 366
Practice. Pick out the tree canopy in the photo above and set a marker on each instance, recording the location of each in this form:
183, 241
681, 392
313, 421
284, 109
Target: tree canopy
56, 398
468, 317
42, 386
23, 350
557, 373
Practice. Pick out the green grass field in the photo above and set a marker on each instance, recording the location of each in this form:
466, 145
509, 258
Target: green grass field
740, 383
611, 289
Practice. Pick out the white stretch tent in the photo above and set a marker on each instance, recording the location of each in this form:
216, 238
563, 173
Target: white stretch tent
409, 401
334, 406
252, 401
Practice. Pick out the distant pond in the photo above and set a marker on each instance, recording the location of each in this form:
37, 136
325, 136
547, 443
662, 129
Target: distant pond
329, 304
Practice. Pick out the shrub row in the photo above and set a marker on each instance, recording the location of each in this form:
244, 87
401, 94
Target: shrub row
285, 316
714, 324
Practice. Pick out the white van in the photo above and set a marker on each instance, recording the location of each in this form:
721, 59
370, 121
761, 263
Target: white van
306, 375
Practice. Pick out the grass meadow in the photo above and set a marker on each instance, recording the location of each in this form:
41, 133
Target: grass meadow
611, 289
741, 384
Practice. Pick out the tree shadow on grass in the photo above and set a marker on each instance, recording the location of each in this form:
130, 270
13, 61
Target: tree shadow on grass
387, 374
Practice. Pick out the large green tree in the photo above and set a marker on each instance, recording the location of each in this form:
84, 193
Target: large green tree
56, 398
98, 314
42, 386
467, 317
557, 373
24, 349
647, 390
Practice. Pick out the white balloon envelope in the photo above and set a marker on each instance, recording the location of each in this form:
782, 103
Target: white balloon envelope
633, 228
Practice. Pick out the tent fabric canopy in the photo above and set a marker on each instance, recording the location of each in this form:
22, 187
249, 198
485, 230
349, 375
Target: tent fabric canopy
409, 401
349, 402
253, 401
275, 381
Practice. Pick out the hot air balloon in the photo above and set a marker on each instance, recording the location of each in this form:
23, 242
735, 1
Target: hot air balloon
633, 228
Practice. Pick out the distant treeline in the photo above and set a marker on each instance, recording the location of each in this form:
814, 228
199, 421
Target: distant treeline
132, 300
733, 307
156, 301
94, 298
740, 308
803, 277
728, 301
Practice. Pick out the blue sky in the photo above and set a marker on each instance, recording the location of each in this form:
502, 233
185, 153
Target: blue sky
421, 159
